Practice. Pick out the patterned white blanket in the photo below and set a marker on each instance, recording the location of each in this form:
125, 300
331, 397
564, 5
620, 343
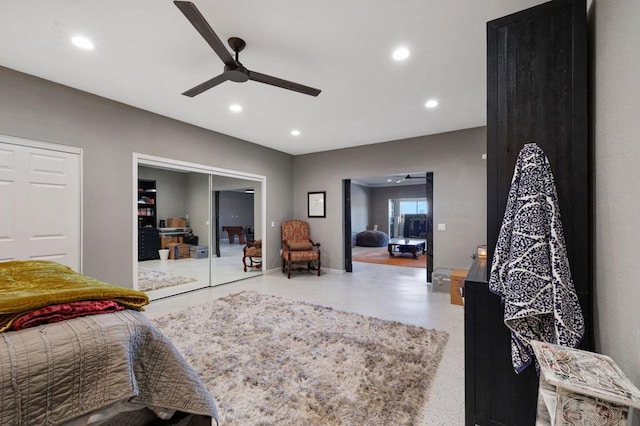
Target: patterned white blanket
530, 269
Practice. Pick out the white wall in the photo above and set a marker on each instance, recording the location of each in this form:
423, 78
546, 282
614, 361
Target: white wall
615, 44
460, 189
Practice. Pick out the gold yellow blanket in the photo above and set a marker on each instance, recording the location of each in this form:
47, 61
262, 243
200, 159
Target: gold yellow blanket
26, 285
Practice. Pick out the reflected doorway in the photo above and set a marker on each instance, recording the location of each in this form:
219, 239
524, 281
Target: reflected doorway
234, 217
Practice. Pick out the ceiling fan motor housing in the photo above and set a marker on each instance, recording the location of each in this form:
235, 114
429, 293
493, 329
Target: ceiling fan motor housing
238, 74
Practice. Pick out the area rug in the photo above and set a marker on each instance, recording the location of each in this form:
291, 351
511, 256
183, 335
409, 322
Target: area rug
150, 279
381, 256
273, 361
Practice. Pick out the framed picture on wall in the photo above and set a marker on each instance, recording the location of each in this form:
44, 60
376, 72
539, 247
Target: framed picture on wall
316, 204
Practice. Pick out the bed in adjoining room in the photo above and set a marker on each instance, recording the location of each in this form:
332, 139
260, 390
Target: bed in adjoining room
77, 351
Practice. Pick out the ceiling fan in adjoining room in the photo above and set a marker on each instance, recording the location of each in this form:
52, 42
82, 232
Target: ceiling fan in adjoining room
408, 177
233, 69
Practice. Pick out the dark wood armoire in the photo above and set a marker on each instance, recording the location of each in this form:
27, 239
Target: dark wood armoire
537, 87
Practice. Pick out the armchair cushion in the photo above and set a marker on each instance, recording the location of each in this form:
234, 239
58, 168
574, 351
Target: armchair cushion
254, 243
300, 245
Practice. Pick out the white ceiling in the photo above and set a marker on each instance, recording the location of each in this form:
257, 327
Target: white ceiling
147, 53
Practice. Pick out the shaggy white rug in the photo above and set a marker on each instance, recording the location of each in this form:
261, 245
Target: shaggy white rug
151, 279
269, 360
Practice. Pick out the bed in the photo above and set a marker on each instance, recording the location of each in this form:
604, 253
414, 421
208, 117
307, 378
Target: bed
109, 368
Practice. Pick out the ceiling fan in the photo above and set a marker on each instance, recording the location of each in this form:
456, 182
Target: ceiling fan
407, 177
233, 69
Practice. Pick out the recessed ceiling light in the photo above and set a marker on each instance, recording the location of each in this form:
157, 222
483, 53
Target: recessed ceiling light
431, 103
82, 42
389, 180
295, 132
235, 108
400, 54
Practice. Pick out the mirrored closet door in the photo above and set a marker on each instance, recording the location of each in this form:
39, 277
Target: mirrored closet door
193, 226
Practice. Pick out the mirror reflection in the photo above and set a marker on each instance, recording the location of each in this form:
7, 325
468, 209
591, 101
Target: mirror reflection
194, 229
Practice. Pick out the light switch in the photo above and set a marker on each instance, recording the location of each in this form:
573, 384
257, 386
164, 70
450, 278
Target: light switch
273, 224
442, 227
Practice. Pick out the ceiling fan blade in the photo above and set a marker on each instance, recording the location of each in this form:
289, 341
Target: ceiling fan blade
206, 85
194, 16
278, 82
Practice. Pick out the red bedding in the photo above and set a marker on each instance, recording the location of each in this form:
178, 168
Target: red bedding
64, 311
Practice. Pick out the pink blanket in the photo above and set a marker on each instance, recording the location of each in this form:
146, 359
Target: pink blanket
64, 311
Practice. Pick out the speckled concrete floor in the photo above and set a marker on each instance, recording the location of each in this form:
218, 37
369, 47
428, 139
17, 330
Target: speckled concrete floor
387, 292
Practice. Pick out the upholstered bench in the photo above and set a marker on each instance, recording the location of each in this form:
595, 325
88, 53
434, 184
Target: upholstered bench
372, 239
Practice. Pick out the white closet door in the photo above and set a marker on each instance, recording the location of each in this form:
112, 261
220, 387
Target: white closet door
40, 207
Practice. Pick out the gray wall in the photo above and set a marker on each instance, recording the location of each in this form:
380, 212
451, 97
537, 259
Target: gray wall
380, 202
236, 209
109, 133
197, 206
171, 195
226, 183
616, 127
360, 208
459, 189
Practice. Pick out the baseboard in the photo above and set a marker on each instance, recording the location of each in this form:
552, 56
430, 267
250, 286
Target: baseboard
322, 271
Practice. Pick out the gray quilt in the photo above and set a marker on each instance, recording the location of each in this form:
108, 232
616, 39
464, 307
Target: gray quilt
57, 372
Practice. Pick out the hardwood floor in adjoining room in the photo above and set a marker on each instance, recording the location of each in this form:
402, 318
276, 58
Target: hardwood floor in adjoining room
381, 291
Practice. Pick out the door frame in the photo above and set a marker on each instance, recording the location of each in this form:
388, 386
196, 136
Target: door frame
140, 159
346, 202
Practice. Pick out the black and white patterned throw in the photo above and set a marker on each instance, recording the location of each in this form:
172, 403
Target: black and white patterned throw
530, 268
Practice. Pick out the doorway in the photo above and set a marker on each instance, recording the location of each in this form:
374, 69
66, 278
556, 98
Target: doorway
185, 219
367, 206
234, 219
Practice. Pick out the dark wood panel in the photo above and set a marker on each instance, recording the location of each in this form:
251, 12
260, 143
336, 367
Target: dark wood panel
536, 92
348, 259
429, 226
496, 395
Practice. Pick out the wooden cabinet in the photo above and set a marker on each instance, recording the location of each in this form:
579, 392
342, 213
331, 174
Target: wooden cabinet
536, 92
148, 243
494, 393
147, 208
457, 284
582, 386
